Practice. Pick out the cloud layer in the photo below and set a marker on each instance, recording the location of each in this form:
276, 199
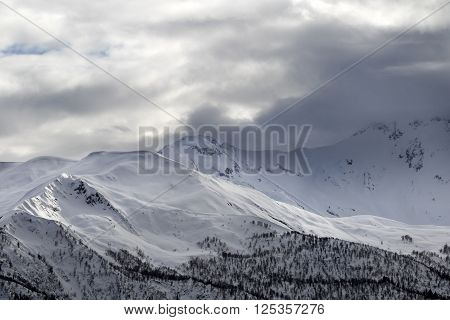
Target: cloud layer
212, 63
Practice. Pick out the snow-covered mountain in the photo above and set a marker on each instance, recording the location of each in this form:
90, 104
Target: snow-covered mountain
398, 171
394, 170
97, 228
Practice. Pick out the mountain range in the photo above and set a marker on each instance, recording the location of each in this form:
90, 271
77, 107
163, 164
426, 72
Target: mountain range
371, 221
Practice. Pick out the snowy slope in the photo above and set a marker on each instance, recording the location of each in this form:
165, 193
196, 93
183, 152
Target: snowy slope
66, 222
106, 203
398, 171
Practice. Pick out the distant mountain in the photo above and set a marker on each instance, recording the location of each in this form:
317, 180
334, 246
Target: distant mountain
394, 170
397, 171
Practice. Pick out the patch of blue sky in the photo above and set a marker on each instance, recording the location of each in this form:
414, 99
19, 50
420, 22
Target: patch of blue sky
24, 49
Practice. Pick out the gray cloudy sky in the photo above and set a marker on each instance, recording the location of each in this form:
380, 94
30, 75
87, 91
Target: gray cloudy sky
212, 61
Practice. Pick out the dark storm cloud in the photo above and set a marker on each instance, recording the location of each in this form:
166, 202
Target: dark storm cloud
209, 115
407, 80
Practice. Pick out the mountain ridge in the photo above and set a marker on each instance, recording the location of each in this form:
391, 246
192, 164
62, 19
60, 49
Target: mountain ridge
97, 228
